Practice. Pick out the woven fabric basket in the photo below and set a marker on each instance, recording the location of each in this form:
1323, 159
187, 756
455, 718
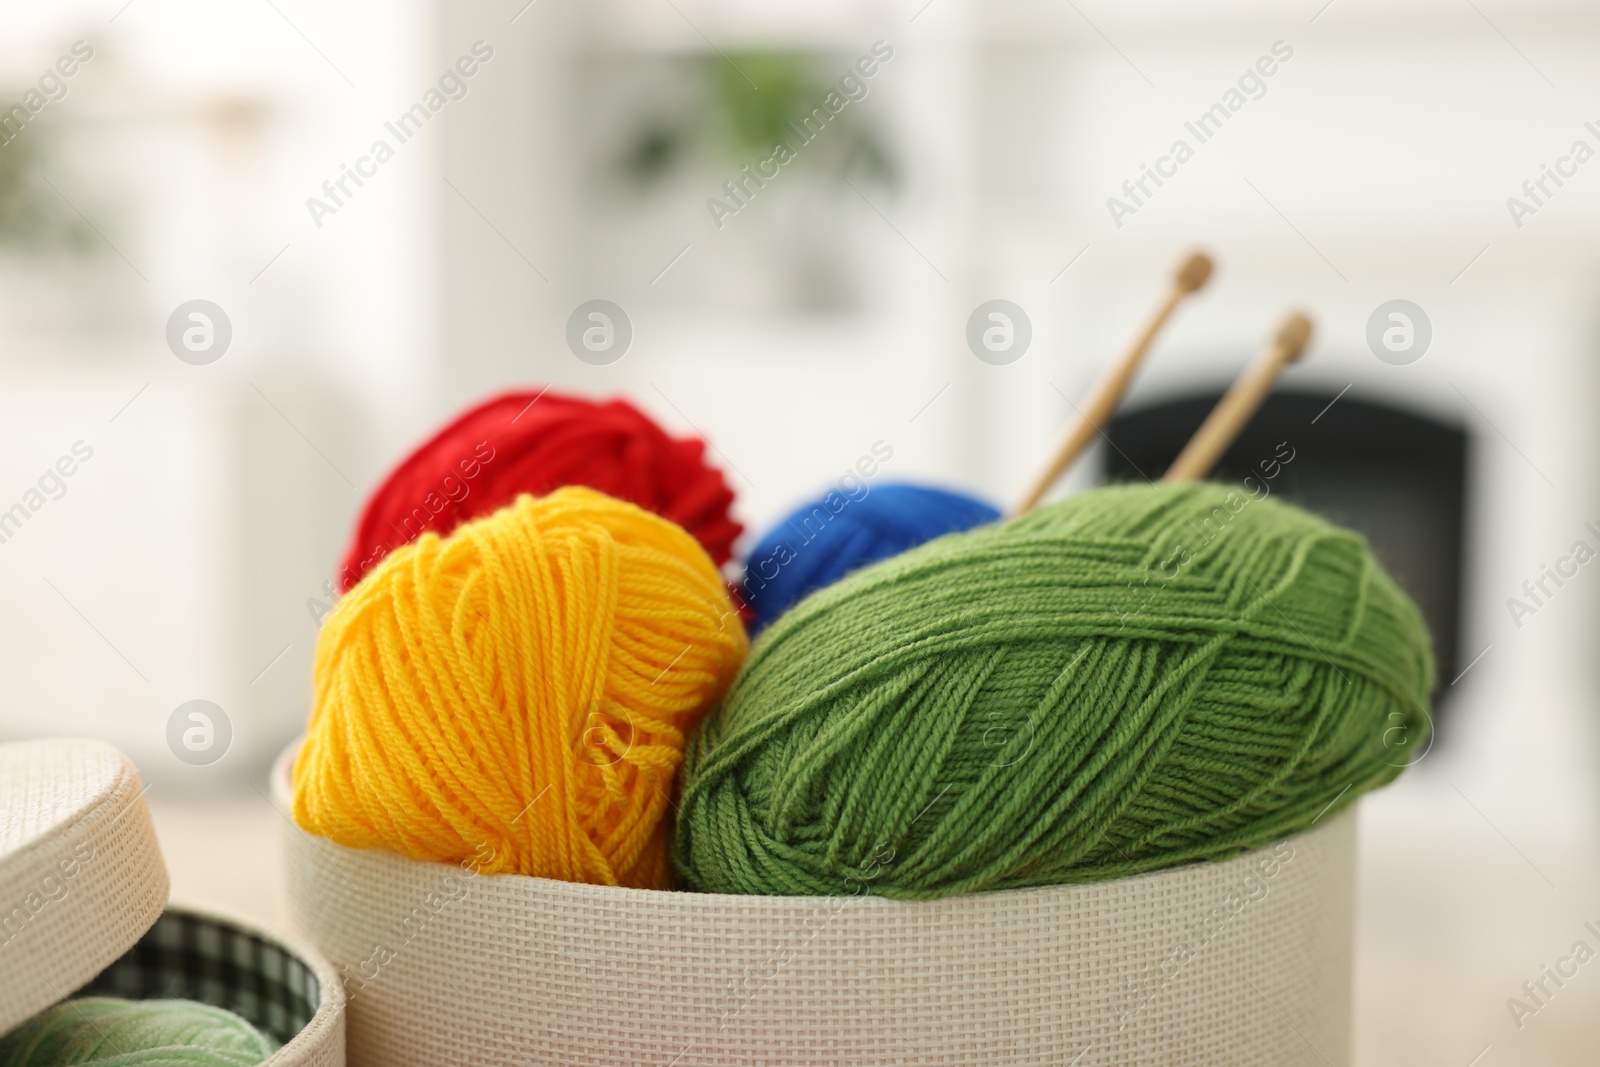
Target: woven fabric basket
278, 985
1242, 963
81, 874
84, 892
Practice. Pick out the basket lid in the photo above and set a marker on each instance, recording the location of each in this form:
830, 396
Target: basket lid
81, 874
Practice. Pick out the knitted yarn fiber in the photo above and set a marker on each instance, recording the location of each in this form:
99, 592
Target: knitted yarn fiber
110, 1032
1131, 679
515, 696
821, 542
536, 442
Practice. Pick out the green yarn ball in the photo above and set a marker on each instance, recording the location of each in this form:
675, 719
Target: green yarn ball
1132, 679
109, 1032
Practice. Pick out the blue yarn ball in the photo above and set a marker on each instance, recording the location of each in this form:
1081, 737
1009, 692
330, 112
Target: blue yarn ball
822, 541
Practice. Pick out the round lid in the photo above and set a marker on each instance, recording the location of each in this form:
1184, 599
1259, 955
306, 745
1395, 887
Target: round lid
81, 874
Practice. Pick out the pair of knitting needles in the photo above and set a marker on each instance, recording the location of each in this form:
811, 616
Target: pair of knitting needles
1221, 427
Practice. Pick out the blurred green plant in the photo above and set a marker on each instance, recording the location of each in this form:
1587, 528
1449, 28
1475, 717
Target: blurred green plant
754, 119
33, 215
746, 103
653, 152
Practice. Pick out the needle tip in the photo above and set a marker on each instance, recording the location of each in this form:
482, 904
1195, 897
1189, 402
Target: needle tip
1194, 272
1293, 334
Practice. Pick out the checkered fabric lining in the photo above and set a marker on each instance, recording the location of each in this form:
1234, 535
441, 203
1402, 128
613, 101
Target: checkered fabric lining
198, 958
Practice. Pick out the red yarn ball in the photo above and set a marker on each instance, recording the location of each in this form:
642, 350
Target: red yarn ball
534, 443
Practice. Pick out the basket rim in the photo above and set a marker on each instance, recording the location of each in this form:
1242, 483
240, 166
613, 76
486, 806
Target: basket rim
534, 887
331, 1006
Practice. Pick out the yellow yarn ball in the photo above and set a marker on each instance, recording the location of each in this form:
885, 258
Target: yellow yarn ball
516, 695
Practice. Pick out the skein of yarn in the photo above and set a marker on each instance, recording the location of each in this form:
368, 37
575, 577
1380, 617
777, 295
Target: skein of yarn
821, 542
515, 696
1134, 678
536, 442
110, 1032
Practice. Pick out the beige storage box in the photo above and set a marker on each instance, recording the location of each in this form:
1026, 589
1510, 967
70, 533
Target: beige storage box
83, 894
1238, 964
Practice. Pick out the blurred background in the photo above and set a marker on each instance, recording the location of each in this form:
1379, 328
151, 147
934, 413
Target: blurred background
1397, 151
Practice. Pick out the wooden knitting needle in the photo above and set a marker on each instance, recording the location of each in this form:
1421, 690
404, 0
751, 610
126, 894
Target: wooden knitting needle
1103, 399
1239, 404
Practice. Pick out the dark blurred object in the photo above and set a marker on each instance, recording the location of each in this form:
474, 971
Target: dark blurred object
1397, 477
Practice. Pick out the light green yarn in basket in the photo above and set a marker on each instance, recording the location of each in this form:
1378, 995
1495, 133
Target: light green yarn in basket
110, 1032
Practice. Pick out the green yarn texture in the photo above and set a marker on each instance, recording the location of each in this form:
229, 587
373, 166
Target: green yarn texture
110, 1032
1132, 679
